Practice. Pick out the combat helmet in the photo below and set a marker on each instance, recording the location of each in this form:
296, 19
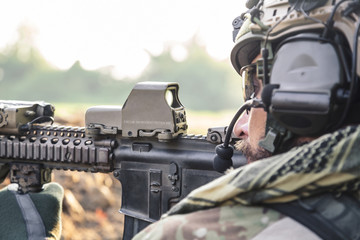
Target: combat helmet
309, 65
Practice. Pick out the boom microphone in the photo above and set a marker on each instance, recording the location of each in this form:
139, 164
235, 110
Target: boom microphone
224, 152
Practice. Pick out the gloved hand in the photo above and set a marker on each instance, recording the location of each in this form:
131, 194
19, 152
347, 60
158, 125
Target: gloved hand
31, 215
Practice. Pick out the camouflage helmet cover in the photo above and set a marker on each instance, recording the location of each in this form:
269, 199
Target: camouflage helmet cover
277, 20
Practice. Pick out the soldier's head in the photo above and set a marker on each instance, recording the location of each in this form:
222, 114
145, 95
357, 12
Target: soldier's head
300, 58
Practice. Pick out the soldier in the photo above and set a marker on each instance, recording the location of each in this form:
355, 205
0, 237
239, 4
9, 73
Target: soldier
298, 61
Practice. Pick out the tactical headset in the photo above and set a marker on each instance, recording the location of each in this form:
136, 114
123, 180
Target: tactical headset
308, 67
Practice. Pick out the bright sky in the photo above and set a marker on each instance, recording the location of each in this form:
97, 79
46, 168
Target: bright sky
119, 33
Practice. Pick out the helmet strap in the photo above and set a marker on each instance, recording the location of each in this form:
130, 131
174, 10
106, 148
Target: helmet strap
264, 64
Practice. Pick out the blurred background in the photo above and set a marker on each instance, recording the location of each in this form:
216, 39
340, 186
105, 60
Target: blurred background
76, 54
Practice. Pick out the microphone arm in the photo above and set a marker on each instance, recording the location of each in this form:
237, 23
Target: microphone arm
224, 151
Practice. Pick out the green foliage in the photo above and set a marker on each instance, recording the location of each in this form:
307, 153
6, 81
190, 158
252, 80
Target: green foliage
205, 84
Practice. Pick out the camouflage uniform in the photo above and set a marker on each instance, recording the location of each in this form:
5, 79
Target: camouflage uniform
229, 222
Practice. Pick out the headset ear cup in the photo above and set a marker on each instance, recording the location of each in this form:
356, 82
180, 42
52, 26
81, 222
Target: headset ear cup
308, 70
266, 94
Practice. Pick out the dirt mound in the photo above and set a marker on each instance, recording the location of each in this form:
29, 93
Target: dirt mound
91, 205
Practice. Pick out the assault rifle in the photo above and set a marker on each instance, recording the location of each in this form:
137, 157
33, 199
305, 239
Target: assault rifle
144, 143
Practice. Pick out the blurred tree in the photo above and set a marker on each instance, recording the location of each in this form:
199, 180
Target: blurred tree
26, 75
205, 84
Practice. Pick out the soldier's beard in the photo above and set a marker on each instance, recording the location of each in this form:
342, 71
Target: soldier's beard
251, 154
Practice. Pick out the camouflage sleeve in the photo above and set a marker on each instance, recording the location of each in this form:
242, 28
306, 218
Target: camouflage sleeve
285, 229
227, 222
